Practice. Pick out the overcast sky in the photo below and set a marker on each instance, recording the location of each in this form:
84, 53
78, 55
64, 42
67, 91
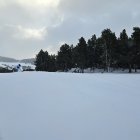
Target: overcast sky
26, 26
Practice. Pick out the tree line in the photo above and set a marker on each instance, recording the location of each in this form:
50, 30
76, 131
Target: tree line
106, 52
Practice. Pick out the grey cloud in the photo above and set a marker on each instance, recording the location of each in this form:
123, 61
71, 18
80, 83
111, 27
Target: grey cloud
101, 14
13, 14
88, 7
16, 13
66, 22
18, 48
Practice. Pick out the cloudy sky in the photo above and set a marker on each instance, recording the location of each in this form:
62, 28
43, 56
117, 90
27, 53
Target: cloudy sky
26, 26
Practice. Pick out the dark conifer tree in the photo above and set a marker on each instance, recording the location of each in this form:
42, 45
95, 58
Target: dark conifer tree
45, 62
91, 52
81, 52
109, 42
40, 61
124, 59
100, 60
136, 47
64, 58
51, 63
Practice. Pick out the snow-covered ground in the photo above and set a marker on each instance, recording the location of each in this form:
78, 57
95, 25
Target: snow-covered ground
89, 70
69, 106
11, 65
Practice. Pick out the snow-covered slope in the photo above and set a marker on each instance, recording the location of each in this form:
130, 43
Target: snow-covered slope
11, 65
66, 106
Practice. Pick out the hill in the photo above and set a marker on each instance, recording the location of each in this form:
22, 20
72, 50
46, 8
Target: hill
30, 60
7, 59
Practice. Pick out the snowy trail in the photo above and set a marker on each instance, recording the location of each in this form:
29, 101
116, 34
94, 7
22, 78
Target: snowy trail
66, 106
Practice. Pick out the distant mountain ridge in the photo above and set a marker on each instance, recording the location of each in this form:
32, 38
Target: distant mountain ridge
8, 59
29, 60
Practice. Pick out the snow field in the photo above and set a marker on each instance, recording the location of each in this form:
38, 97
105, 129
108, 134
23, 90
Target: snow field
68, 106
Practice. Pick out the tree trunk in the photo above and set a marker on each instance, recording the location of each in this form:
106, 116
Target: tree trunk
130, 68
135, 67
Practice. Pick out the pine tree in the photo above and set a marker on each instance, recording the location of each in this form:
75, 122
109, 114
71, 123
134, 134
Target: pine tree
81, 52
109, 42
40, 60
124, 59
91, 52
51, 63
64, 58
136, 47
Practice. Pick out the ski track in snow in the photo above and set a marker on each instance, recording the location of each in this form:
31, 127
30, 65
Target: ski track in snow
68, 106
